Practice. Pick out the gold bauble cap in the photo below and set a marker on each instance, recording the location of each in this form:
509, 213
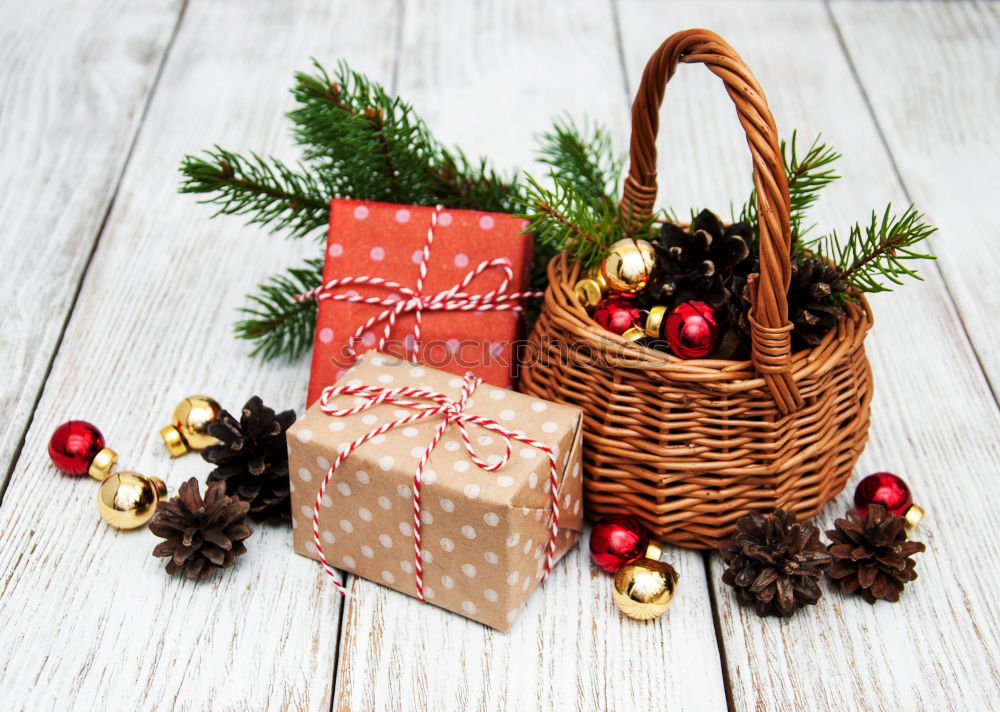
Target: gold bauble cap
913, 516
589, 292
597, 275
644, 589
100, 466
629, 265
654, 321
189, 429
633, 333
127, 500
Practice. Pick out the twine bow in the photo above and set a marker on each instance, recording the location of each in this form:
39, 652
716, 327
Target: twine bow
406, 300
451, 412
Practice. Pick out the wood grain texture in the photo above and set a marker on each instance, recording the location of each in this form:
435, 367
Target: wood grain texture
88, 619
489, 77
949, 159
934, 419
94, 620
73, 86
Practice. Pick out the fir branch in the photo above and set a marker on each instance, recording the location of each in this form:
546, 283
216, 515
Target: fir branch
270, 192
279, 325
806, 176
873, 257
375, 147
460, 182
563, 218
579, 212
583, 158
360, 136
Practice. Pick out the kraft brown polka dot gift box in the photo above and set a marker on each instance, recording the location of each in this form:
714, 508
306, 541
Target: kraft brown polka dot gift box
485, 511
384, 266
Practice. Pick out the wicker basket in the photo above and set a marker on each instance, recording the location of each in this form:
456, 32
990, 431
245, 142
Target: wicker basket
691, 446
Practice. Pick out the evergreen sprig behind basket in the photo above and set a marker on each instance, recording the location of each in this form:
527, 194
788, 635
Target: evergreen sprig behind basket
690, 446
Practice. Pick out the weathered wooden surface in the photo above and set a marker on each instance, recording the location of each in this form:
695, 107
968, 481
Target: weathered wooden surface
934, 419
943, 67
506, 69
73, 89
87, 617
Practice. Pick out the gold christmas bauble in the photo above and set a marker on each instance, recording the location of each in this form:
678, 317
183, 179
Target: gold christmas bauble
591, 287
628, 265
189, 429
644, 589
127, 500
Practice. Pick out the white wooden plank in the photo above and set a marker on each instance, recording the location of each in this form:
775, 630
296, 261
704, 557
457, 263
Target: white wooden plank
943, 66
934, 420
88, 617
488, 76
73, 84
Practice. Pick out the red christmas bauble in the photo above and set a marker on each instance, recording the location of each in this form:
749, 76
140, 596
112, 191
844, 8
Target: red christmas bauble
617, 314
885, 488
74, 445
692, 329
616, 541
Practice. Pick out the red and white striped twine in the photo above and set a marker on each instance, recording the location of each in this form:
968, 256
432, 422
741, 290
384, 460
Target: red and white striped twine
406, 300
451, 412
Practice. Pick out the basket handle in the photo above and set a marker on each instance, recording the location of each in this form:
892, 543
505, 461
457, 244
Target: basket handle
770, 330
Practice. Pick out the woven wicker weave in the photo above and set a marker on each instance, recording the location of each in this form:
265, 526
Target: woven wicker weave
691, 446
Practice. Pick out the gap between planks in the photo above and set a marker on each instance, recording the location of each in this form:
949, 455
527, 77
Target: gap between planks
894, 163
15, 454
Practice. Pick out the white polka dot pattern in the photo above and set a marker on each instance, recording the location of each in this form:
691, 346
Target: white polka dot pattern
458, 530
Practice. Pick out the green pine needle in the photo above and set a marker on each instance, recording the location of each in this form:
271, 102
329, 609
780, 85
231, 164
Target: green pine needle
360, 142
579, 212
279, 325
270, 192
873, 258
807, 176
583, 158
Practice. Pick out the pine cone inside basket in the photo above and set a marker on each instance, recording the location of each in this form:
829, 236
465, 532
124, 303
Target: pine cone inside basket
774, 562
201, 535
252, 458
812, 301
698, 263
871, 555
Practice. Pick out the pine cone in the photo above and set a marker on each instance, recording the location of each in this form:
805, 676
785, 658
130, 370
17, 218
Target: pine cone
201, 535
252, 458
774, 562
812, 294
812, 306
697, 263
871, 554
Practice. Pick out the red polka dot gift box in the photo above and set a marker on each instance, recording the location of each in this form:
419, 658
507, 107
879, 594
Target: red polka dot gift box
441, 287
445, 488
